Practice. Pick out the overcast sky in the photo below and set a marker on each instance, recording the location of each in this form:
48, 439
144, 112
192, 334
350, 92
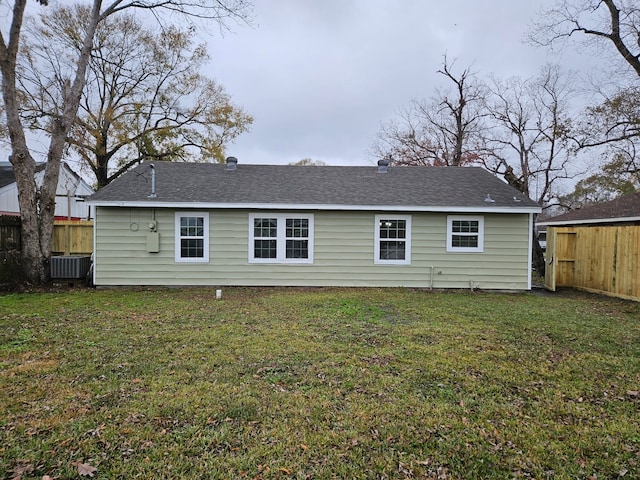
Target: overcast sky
321, 76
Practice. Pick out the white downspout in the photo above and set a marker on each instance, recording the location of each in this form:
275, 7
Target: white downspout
94, 254
530, 255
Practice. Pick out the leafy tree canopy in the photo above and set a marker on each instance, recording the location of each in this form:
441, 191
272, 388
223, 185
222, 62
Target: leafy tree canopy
145, 97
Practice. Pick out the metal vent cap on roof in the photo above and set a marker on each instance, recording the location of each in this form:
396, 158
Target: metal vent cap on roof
383, 166
232, 163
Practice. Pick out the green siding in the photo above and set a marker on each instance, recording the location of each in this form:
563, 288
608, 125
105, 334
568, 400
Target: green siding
343, 253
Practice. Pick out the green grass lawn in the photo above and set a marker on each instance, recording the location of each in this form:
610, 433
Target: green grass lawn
318, 383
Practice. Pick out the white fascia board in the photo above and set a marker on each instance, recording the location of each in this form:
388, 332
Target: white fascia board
290, 206
589, 222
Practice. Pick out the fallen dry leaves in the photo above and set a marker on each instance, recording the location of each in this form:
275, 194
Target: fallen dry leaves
84, 469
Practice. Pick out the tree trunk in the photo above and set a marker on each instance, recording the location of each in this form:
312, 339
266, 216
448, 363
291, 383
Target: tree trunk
33, 259
37, 202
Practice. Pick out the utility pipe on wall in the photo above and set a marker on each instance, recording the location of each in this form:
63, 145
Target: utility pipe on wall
431, 277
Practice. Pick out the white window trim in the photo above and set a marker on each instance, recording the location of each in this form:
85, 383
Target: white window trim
205, 257
281, 241
407, 247
479, 248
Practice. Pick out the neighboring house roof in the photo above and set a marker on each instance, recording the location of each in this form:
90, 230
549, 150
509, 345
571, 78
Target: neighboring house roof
206, 185
623, 209
8, 177
69, 184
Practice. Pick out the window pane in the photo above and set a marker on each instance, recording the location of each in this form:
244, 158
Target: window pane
297, 249
393, 229
392, 250
297, 227
464, 241
465, 226
192, 248
191, 226
264, 248
265, 227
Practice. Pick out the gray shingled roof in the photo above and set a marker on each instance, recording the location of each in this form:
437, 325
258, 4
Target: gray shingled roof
622, 209
7, 177
324, 186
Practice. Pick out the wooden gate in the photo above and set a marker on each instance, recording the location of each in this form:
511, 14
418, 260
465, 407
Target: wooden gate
604, 259
560, 257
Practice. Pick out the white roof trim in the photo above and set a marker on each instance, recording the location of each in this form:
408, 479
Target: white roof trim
288, 206
590, 221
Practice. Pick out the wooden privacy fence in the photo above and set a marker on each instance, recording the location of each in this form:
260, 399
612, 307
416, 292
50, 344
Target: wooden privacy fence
603, 259
72, 237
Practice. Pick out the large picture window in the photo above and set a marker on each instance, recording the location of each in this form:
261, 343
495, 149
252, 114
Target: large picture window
280, 238
393, 239
192, 237
465, 234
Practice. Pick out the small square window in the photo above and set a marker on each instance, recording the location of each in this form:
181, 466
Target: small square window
465, 234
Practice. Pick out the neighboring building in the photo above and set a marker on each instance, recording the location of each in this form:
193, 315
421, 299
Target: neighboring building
623, 210
267, 225
596, 248
69, 194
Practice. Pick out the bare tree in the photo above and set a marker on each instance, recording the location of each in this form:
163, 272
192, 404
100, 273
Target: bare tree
446, 130
37, 202
615, 23
530, 143
612, 29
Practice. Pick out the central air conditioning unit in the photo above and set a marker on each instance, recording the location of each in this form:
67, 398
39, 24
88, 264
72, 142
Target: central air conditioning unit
70, 266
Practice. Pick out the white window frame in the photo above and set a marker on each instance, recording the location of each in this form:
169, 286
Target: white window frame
479, 234
205, 237
281, 239
407, 241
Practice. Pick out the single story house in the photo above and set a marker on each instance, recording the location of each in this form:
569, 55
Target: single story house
69, 193
282, 225
596, 248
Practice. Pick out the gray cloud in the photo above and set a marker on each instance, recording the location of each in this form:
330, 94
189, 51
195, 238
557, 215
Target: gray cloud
320, 76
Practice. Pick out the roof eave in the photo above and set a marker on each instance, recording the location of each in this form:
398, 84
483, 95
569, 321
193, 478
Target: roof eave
589, 221
287, 206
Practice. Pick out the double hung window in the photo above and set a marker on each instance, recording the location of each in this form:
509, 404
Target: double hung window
393, 239
280, 238
192, 237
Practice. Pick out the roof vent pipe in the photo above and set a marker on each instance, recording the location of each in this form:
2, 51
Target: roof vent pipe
232, 163
383, 166
153, 181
